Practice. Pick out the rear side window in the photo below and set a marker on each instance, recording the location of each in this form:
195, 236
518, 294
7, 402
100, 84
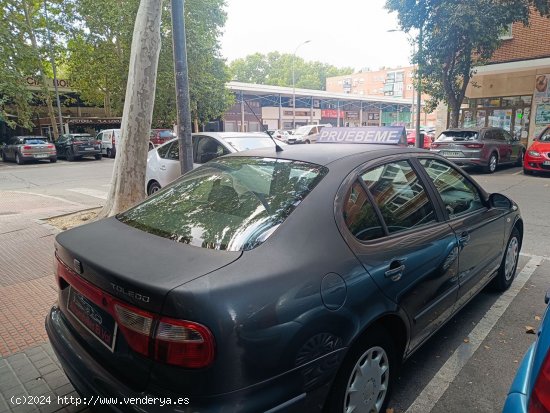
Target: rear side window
163, 150
231, 204
360, 216
459, 195
401, 198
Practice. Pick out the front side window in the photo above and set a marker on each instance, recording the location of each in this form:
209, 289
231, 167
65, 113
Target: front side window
207, 149
174, 151
231, 204
163, 150
459, 195
401, 198
545, 136
360, 216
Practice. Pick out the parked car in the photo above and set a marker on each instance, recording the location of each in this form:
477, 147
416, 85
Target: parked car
278, 281
109, 139
411, 139
306, 134
74, 146
163, 165
281, 135
26, 148
484, 147
530, 390
537, 157
160, 136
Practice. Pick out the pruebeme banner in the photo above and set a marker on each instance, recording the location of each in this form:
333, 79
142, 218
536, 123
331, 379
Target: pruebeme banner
392, 135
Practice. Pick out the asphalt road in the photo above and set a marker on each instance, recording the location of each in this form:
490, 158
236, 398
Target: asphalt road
470, 363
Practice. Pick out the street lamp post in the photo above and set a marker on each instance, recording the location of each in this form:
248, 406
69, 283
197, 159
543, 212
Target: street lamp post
294, 84
418, 141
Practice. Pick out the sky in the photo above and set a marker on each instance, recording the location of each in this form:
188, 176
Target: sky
342, 32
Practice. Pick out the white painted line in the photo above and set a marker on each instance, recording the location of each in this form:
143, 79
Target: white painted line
90, 192
518, 173
433, 391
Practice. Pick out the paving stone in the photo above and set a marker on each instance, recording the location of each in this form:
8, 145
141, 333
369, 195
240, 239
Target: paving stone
13, 392
63, 390
34, 351
36, 387
48, 369
27, 373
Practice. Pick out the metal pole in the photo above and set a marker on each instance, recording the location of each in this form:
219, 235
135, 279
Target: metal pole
182, 86
413, 89
361, 113
293, 93
338, 113
419, 140
54, 69
280, 113
242, 112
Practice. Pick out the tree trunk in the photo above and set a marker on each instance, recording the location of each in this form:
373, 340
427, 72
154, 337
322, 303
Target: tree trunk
455, 116
128, 180
196, 125
49, 104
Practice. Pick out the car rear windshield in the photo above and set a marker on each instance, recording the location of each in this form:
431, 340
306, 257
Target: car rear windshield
166, 134
246, 143
231, 204
454, 136
34, 140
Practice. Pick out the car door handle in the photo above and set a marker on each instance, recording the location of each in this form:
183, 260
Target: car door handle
163, 168
464, 239
396, 270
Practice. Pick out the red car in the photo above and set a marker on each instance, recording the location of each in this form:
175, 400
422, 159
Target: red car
411, 139
160, 136
537, 157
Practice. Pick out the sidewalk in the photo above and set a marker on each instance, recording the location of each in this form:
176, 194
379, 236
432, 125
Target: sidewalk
28, 366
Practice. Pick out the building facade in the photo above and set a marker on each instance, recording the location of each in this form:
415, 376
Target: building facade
513, 90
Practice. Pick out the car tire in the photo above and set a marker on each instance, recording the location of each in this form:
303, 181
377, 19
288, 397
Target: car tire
507, 270
374, 385
70, 155
98, 157
492, 164
108, 151
4, 158
307, 141
153, 187
18, 159
521, 155
53, 160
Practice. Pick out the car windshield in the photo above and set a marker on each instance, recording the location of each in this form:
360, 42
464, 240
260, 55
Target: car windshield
453, 136
166, 134
82, 137
34, 140
302, 130
244, 144
231, 204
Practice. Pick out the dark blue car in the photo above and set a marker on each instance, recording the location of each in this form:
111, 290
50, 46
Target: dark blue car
269, 281
530, 390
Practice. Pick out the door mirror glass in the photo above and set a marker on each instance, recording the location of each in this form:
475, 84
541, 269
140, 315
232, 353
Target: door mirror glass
500, 201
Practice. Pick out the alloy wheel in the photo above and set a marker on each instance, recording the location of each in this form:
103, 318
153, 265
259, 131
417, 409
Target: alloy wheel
512, 253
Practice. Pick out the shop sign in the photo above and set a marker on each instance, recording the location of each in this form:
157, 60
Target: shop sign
331, 113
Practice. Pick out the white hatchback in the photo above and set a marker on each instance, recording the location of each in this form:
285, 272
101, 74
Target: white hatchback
163, 165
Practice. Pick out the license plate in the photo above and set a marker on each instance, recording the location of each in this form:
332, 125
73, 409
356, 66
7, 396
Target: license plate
93, 318
41, 155
88, 149
546, 163
452, 154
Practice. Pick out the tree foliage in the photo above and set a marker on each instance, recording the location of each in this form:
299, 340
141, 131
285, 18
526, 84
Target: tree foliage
276, 69
25, 53
99, 54
456, 37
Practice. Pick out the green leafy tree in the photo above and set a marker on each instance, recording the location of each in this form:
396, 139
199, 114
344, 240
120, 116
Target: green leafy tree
99, 58
276, 69
456, 37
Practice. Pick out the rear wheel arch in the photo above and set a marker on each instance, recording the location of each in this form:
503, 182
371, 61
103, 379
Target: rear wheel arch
150, 184
395, 327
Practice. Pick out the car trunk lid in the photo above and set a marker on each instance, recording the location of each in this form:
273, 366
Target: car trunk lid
109, 273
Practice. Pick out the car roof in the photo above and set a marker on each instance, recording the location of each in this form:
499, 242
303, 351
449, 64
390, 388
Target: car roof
232, 135
326, 153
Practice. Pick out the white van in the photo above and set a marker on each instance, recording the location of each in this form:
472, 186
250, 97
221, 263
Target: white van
109, 141
306, 134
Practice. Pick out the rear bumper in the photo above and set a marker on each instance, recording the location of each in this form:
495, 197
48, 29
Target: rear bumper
38, 157
94, 383
469, 161
88, 153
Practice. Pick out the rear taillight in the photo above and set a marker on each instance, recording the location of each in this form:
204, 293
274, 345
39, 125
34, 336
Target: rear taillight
183, 343
540, 395
474, 145
27, 147
50, 146
136, 326
172, 341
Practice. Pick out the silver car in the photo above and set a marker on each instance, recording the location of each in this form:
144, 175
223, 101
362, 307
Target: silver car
484, 147
26, 148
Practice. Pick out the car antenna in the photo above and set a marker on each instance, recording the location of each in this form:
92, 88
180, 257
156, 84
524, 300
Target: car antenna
277, 147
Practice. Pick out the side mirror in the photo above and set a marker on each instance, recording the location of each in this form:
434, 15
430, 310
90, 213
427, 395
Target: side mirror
500, 201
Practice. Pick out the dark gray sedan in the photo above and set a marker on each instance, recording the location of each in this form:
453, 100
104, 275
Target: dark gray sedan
75, 146
278, 281
28, 148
